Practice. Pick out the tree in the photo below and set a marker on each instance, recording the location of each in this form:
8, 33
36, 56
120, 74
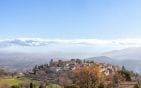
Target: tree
31, 85
123, 68
41, 85
114, 80
51, 62
89, 76
101, 85
78, 61
125, 74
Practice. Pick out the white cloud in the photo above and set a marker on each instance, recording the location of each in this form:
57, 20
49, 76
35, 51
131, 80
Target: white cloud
85, 42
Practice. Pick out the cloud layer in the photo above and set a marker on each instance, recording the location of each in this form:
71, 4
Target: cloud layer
85, 42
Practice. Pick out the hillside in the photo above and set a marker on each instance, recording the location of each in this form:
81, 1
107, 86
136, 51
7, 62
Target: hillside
21, 61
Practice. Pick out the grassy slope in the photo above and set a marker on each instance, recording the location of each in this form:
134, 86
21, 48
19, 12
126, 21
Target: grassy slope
14, 81
10, 81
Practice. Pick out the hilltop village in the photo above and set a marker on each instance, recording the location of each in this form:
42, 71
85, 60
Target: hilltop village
61, 72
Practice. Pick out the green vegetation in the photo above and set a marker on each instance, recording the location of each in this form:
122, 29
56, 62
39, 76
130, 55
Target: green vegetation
137, 86
101, 85
17, 83
126, 74
11, 81
53, 86
15, 86
24, 83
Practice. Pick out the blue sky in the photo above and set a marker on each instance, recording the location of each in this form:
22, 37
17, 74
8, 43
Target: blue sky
70, 19
103, 19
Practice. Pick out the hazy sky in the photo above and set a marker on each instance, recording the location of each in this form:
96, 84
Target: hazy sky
70, 19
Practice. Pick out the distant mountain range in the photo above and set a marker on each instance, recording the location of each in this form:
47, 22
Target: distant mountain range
130, 58
124, 54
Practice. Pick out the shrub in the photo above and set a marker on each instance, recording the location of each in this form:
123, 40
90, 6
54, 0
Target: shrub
72, 86
137, 86
15, 86
101, 85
